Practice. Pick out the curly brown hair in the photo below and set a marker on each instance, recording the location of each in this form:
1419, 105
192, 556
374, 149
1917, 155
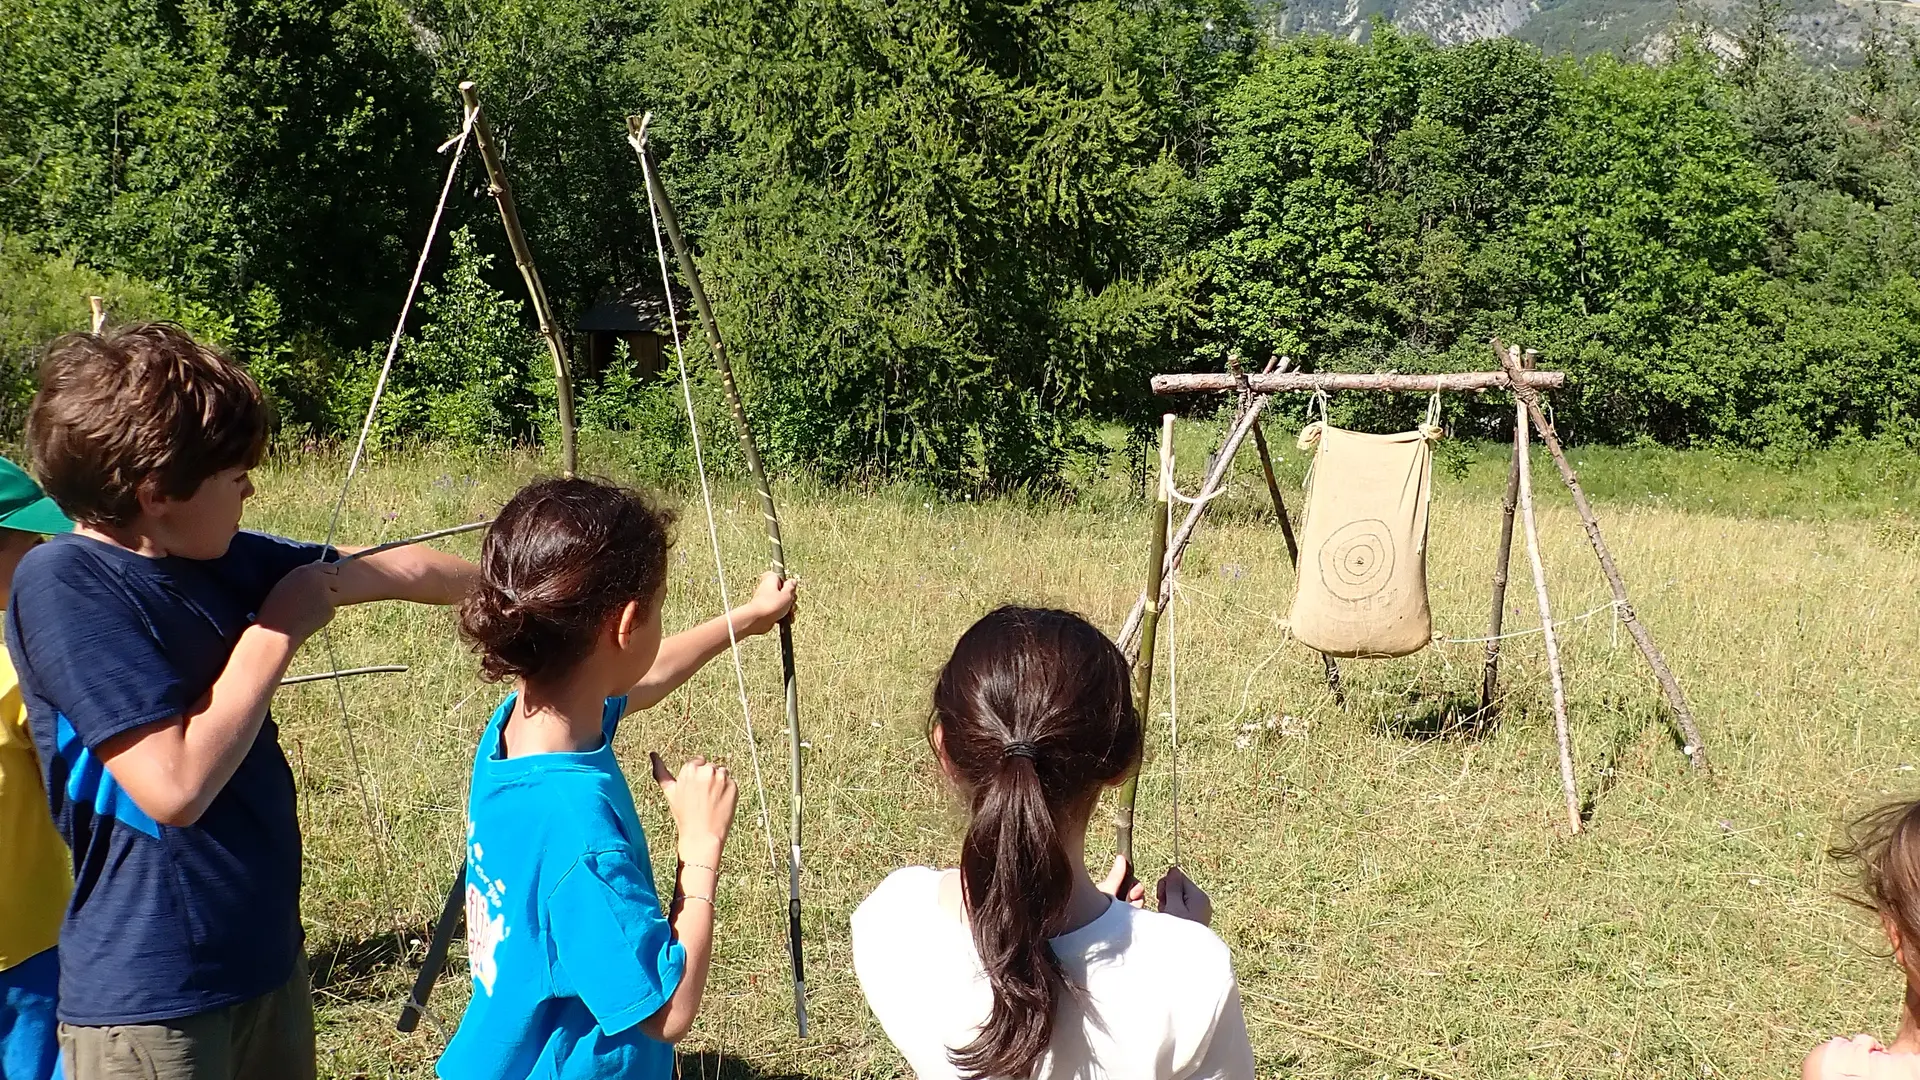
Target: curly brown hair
1884, 845
145, 409
560, 559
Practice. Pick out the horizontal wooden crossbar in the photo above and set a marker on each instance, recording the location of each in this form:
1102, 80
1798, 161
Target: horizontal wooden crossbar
1464, 382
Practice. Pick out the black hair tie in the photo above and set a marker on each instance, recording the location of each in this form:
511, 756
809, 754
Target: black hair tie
1021, 748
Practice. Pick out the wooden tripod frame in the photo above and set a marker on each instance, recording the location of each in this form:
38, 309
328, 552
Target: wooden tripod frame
1516, 374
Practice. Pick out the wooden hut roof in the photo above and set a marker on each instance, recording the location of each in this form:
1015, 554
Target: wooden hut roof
637, 310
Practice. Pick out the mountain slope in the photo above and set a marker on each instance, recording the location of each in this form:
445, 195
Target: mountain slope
1824, 30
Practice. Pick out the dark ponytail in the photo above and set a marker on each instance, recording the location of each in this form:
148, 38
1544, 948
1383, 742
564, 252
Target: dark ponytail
1035, 716
560, 558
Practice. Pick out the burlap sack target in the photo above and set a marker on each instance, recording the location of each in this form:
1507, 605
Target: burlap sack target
1363, 547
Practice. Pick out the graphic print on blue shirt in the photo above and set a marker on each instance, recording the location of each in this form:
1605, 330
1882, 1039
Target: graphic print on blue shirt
165, 922
568, 946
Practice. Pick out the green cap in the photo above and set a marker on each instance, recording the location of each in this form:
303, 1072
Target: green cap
23, 506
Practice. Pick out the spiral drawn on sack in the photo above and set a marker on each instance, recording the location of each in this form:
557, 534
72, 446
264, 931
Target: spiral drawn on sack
1357, 560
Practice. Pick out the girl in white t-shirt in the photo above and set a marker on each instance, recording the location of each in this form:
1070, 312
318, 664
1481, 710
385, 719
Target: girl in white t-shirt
1886, 846
1017, 965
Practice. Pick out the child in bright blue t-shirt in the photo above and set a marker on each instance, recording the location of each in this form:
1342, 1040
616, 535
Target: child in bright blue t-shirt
577, 973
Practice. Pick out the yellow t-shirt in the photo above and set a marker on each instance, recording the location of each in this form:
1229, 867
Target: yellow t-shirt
36, 874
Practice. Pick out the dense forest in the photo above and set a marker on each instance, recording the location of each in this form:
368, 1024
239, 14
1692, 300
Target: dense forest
948, 239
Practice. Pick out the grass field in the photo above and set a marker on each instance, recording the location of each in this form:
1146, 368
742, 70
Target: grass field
1399, 903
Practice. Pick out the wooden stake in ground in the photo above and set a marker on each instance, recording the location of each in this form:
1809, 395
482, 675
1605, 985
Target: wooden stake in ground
99, 306
1149, 623
1695, 749
523, 258
1177, 546
1503, 558
1567, 784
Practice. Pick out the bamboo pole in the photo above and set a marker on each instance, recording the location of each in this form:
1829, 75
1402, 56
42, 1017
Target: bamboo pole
1143, 662
1568, 786
1695, 749
1503, 558
1177, 545
1465, 382
670, 224
98, 304
523, 258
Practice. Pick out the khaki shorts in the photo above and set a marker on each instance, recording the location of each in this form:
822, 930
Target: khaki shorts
268, 1038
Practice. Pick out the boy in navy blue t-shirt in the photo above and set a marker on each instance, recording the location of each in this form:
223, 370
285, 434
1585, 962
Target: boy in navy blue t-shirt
149, 642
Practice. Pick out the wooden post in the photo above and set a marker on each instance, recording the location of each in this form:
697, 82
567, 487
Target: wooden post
1177, 546
1695, 749
1143, 663
1331, 665
523, 258
1502, 559
1568, 787
99, 306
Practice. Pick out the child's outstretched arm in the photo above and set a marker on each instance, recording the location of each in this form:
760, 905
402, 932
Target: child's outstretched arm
418, 574
702, 799
688, 651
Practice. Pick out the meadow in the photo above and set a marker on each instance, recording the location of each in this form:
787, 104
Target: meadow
1402, 897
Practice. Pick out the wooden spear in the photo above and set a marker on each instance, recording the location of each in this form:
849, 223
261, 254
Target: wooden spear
523, 258
1143, 662
1568, 785
670, 223
1695, 749
319, 676
98, 304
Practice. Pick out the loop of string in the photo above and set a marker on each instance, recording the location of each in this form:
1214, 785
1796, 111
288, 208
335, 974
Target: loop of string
1431, 429
713, 532
1173, 492
369, 793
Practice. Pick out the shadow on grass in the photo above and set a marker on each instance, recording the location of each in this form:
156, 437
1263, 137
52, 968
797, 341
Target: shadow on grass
690, 1066
1426, 719
339, 965
1624, 737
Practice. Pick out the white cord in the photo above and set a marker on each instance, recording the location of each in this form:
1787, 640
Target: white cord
1173, 492
1611, 605
369, 788
459, 143
713, 532
1173, 692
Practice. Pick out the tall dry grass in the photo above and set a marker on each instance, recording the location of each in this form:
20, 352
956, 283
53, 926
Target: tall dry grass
1386, 883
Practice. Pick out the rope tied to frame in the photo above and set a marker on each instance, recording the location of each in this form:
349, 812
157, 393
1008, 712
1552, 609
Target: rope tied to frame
1611, 605
1173, 491
1430, 429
